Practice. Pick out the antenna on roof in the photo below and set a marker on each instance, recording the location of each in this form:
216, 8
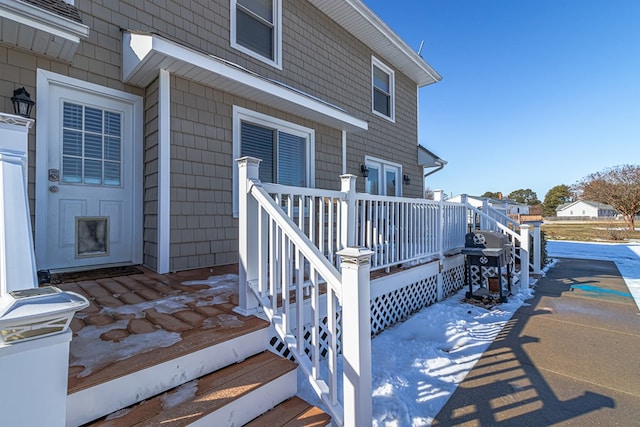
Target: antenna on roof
420, 48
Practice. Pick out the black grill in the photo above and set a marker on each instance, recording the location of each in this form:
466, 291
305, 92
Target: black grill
486, 249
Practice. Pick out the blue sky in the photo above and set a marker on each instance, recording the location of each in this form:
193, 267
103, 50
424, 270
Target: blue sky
535, 93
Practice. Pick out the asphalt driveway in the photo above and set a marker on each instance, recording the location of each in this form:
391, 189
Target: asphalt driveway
571, 357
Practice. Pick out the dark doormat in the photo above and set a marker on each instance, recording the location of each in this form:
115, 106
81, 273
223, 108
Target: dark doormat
100, 273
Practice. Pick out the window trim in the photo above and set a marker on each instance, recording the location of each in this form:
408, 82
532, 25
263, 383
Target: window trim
241, 114
376, 63
277, 28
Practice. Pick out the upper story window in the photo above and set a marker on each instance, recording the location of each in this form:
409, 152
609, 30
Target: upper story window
256, 29
382, 88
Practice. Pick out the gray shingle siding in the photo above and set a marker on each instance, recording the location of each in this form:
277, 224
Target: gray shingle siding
319, 57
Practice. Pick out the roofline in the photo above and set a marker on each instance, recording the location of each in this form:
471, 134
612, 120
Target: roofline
413, 66
144, 54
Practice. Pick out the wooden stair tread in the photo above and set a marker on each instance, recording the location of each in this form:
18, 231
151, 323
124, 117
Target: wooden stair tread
293, 412
198, 398
191, 341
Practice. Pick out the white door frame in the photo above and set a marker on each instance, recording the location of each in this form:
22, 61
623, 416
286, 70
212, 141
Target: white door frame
383, 165
45, 79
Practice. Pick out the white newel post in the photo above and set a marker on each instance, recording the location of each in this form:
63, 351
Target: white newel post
348, 211
17, 259
356, 336
469, 215
484, 223
441, 239
537, 248
34, 322
248, 169
524, 255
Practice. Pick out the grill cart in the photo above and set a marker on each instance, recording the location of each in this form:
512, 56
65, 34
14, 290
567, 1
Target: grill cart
487, 252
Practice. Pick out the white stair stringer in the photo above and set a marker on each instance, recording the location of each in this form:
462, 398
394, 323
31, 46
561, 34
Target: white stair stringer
102, 399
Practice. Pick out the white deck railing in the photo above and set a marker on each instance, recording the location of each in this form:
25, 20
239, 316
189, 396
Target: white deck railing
293, 241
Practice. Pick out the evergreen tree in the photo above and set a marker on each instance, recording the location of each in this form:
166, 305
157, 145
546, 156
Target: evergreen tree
555, 197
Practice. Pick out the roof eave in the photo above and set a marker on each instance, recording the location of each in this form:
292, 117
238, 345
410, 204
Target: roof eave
39, 30
363, 23
145, 54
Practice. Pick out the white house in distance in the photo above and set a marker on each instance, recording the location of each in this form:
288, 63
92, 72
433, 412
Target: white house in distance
505, 206
585, 209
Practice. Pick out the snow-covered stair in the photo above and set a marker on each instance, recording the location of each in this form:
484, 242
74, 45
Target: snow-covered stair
151, 350
231, 396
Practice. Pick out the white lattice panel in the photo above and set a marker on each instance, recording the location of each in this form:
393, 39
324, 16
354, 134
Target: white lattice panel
452, 280
277, 346
396, 306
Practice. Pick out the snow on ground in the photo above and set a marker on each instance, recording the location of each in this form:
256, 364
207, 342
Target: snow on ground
418, 364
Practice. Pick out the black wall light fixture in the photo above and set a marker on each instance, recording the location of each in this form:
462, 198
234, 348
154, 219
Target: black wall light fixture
22, 102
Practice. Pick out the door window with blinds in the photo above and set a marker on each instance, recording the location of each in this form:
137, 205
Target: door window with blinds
284, 148
91, 146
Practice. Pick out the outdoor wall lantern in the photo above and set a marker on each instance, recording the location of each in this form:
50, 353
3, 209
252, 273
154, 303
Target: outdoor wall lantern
364, 170
406, 179
22, 102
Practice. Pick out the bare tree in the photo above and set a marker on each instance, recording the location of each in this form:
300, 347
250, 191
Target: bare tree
618, 186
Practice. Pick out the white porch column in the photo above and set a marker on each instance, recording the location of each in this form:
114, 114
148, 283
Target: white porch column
537, 245
17, 258
348, 211
356, 336
248, 169
164, 172
524, 255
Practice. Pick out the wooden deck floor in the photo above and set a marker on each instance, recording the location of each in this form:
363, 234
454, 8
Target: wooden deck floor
143, 318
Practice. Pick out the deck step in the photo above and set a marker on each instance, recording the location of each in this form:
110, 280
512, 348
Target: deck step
231, 396
294, 412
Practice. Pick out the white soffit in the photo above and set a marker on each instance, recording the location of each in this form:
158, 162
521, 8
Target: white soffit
143, 55
429, 159
37, 30
355, 17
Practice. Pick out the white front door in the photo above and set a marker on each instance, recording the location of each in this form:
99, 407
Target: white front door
90, 208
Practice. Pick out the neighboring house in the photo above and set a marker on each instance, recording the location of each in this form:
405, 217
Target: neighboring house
585, 209
143, 107
504, 206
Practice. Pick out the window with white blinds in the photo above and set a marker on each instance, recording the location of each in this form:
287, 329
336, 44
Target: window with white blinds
283, 155
286, 150
91, 145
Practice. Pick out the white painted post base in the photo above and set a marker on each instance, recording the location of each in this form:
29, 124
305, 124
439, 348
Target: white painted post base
34, 381
356, 336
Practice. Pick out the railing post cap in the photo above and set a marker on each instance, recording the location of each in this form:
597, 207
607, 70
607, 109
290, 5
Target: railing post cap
248, 160
526, 226
348, 176
355, 255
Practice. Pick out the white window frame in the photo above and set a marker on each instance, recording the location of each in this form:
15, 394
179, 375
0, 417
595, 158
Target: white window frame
383, 166
241, 114
376, 63
276, 61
